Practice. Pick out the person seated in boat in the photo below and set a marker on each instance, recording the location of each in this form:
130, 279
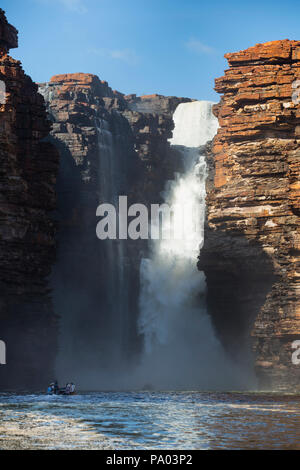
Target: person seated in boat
50, 389
70, 389
55, 388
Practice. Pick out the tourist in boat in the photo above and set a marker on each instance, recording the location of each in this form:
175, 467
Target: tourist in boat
70, 389
56, 388
53, 388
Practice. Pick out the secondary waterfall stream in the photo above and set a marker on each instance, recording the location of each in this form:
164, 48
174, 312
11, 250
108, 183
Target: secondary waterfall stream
91, 278
114, 253
180, 348
170, 342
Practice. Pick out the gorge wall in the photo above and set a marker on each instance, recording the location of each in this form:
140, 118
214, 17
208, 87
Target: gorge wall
110, 145
252, 244
28, 168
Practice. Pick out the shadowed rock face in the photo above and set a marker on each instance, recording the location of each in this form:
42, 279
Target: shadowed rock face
27, 247
109, 147
143, 125
8, 35
251, 254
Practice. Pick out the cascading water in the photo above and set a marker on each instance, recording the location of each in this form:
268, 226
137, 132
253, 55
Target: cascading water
114, 251
180, 348
91, 278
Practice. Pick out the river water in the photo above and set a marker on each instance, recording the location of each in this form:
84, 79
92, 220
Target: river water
150, 420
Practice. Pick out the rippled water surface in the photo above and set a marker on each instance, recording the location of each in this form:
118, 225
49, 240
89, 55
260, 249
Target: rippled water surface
150, 420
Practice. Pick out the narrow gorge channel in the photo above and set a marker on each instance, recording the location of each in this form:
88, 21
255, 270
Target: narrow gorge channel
180, 346
152, 332
149, 229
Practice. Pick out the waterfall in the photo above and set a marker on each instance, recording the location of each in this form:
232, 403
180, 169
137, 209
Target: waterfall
180, 348
112, 254
114, 341
91, 279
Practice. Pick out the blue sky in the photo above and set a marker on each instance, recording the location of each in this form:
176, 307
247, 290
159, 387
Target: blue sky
171, 47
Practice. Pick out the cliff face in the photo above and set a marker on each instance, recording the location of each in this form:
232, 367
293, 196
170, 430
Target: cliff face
142, 125
251, 253
151, 120
27, 247
109, 147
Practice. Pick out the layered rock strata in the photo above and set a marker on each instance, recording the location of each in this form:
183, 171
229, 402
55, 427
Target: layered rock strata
251, 255
109, 147
27, 245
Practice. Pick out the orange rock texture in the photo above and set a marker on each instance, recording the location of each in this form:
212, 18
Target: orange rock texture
252, 253
28, 168
110, 145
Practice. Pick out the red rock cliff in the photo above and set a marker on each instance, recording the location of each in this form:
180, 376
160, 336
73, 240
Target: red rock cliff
27, 248
252, 251
110, 145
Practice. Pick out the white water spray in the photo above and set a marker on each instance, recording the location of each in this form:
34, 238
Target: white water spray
180, 348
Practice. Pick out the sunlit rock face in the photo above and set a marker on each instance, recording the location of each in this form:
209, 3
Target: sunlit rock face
27, 247
109, 147
180, 347
141, 127
252, 247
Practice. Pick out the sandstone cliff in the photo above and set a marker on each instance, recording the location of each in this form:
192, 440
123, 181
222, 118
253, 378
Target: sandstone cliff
27, 247
143, 124
110, 145
251, 253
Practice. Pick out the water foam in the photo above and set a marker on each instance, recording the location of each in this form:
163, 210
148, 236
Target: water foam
180, 347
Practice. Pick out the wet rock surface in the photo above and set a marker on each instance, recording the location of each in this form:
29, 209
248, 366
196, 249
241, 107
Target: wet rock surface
27, 233
109, 147
252, 247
